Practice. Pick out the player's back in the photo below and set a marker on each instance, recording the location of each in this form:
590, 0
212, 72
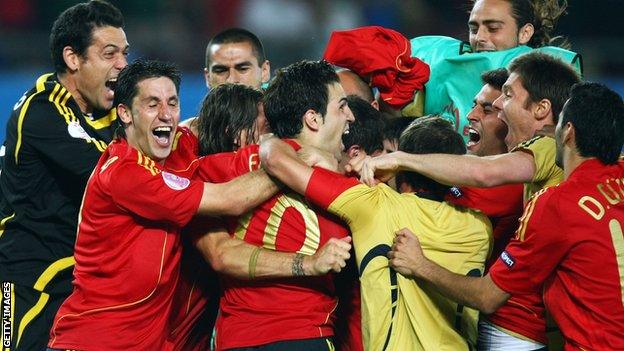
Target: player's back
399, 313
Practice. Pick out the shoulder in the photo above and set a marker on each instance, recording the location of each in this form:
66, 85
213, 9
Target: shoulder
534, 144
122, 161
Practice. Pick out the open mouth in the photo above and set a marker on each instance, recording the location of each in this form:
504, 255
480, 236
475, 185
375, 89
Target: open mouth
474, 137
111, 83
162, 135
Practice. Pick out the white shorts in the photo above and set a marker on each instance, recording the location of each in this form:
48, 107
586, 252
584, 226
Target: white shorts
493, 339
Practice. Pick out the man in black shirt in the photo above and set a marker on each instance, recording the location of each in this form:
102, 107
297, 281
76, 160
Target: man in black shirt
55, 135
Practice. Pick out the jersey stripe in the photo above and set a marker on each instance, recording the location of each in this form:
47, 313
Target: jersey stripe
103, 122
40, 284
528, 211
39, 88
3, 223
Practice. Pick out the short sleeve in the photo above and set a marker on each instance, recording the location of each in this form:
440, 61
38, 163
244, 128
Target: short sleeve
543, 150
538, 247
155, 195
343, 196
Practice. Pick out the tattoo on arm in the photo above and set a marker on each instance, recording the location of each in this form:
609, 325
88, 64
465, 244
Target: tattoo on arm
297, 265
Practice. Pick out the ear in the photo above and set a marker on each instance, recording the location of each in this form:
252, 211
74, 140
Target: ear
354, 151
375, 104
525, 33
124, 113
266, 71
71, 58
404, 187
207, 77
543, 109
568, 135
312, 120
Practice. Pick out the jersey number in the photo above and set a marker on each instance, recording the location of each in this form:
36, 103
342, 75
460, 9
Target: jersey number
618, 244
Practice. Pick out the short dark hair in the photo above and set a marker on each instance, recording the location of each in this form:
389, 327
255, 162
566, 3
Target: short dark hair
394, 127
237, 35
74, 27
495, 77
597, 114
297, 88
226, 111
545, 77
367, 129
139, 70
428, 135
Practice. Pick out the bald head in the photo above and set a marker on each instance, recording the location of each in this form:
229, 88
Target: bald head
354, 85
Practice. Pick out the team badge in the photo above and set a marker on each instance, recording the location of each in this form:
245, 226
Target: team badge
507, 259
175, 182
76, 131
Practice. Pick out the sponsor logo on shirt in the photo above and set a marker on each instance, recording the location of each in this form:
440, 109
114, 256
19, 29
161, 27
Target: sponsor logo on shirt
76, 131
507, 259
175, 182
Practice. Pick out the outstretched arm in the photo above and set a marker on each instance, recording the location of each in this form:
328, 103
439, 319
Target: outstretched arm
407, 258
234, 257
280, 160
237, 196
460, 170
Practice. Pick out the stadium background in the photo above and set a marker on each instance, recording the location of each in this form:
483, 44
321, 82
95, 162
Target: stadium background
178, 30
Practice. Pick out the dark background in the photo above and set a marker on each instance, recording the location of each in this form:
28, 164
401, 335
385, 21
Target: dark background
178, 30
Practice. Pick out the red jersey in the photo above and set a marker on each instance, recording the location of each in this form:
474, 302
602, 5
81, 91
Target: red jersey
570, 242
265, 311
503, 206
127, 253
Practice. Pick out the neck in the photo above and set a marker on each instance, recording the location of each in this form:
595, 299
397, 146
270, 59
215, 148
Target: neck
570, 162
68, 81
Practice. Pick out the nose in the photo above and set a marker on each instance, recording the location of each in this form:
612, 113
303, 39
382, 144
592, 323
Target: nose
350, 116
498, 106
233, 77
473, 115
482, 35
166, 113
121, 62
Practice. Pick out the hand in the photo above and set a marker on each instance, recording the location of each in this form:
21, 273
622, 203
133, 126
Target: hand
379, 169
332, 257
316, 157
406, 255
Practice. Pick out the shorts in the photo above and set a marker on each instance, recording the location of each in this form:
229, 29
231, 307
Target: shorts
27, 316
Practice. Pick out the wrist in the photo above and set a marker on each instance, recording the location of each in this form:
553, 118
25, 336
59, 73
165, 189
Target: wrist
300, 264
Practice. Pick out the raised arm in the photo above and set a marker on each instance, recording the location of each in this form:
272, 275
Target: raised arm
234, 257
280, 160
461, 170
407, 258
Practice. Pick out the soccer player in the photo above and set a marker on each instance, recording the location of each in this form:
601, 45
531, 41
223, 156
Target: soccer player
128, 247
231, 117
55, 135
502, 204
237, 56
533, 96
570, 240
304, 102
397, 313
354, 85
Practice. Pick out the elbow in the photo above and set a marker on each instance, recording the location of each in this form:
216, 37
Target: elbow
488, 304
487, 307
484, 178
218, 262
